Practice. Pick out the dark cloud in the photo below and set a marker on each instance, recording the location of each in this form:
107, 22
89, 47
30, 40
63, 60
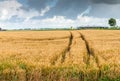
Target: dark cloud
68, 8
72, 8
60, 7
37, 4
106, 1
105, 11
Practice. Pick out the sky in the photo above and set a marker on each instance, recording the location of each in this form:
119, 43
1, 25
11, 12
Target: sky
20, 14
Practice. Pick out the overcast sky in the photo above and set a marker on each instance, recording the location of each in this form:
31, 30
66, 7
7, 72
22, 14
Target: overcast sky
57, 13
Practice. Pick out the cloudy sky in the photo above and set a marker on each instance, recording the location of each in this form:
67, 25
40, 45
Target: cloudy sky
57, 13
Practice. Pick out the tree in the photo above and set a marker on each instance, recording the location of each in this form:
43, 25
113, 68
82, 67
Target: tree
112, 22
71, 28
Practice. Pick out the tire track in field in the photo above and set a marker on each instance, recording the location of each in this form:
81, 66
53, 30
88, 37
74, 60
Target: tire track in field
68, 48
87, 48
62, 55
45, 39
91, 53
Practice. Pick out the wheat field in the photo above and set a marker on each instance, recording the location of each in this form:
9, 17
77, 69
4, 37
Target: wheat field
80, 55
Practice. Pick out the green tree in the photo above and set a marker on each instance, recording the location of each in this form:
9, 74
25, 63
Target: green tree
112, 22
71, 28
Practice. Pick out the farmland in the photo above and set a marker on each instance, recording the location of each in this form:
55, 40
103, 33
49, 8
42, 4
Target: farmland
80, 55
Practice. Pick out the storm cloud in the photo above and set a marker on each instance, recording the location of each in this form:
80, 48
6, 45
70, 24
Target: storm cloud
72, 8
60, 7
106, 1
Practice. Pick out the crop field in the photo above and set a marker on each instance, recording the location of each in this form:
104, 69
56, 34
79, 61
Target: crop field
78, 55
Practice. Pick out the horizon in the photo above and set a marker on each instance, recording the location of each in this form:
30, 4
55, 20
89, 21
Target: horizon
20, 14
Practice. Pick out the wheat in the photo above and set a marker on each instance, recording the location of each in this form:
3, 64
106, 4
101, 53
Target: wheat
59, 55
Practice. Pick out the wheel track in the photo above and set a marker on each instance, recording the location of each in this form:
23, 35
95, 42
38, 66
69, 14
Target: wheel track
45, 39
62, 55
68, 48
87, 48
91, 53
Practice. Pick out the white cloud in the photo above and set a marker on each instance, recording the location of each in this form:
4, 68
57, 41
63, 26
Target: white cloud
4, 14
45, 10
10, 8
91, 21
87, 11
59, 22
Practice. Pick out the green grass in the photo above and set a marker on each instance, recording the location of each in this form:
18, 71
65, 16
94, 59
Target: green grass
8, 72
